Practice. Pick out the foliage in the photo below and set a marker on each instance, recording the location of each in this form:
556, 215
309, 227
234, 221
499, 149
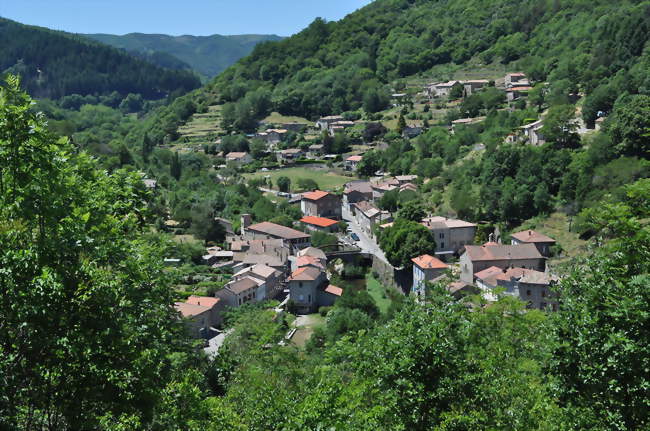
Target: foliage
404, 240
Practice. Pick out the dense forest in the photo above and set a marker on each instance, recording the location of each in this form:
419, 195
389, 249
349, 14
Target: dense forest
207, 55
55, 64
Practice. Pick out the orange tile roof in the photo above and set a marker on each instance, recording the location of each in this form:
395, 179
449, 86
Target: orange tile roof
354, 159
527, 88
429, 262
318, 221
315, 195
206, 301
334, 290
306, 273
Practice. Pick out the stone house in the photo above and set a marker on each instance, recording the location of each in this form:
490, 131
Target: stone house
269, 285
541, 241
352, 162
239, 158
442, 89
200, 313
294, 239
309, 289
535, 288
324, 123
533, 134
516, 93
426, 268
316, 150
479, 257
239, 292
473, 85
321, 204
356, 191
367, 215
450, 235
290, 155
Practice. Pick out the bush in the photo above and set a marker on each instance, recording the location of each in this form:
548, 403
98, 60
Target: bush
324, 310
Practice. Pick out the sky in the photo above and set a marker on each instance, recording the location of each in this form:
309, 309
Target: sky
176, 17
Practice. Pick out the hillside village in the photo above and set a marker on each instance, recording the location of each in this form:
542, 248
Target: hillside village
269, 261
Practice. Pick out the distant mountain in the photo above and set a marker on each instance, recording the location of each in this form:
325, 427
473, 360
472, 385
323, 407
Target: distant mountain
208, 55
53, 64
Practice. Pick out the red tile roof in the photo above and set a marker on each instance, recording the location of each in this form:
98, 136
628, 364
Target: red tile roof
334, 290
309, 261
190, 310
318, 221
531, 236
315, 195
502, 252
354, 159
489, 275
429, 262
527, 88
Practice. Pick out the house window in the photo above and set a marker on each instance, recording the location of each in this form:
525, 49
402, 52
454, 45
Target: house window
441, 236
543, 294
239, 301
309, 298
300, 284
528, 292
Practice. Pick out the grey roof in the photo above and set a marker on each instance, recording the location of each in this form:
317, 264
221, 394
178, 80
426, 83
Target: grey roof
277, 230
502, 252
241, 285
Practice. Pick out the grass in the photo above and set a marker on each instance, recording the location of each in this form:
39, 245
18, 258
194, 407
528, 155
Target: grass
203, 127
378, 293
325, 178
276, 117
310, 323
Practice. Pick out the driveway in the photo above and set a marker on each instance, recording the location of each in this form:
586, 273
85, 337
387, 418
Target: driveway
365, 243
215, 343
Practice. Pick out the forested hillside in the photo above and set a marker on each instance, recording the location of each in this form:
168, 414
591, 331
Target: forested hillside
208, 55
55, 64
330, 67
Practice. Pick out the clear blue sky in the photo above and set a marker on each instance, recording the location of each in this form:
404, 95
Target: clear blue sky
175, 17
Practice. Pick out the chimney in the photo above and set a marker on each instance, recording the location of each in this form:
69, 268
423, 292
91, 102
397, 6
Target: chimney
246, 220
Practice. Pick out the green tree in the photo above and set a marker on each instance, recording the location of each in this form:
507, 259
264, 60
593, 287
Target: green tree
76, 272
175, 168
560, 126
284, 184
630, 126
412, 210
405, 240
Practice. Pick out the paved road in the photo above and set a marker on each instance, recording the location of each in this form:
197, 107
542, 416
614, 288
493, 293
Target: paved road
215, 343
366, 243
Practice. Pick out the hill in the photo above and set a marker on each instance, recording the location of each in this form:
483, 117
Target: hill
54, 64
208, 55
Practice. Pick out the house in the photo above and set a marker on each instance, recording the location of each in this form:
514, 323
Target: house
352, 162
408, 187
479, 257
316, 150
356, 191
516, 80
516, 93
367, 215
268, 280
442, 89
451, 235
381, 188
320, 224
531, 286
290, 155
275, 136
239, 158
324, 123
239, 292
541, 241
465, 122
471, 86
294, 127
533, 134
426, 268
404, 179
270, 252
200, 313
321, 204
309, 289
267, 230
226, 224
411, 132
217, 258
150, 184
313, 252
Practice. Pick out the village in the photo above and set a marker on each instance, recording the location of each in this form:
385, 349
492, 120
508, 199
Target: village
269, 261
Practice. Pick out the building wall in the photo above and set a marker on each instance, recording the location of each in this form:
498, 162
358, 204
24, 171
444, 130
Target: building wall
305, 294
544, 248
469, 268
536, 296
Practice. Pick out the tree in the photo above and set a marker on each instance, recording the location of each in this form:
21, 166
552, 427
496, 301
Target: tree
131, 103
630, 126
405, 240
401, 124
175, 167
284, 184
307, 184
370, 164
76, 271
560, 126
412, 210
147, 147
374, 101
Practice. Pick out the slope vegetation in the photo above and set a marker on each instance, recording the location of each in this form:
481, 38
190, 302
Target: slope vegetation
208, 55
54, 64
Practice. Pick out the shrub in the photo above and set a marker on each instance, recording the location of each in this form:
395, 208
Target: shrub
324, 310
